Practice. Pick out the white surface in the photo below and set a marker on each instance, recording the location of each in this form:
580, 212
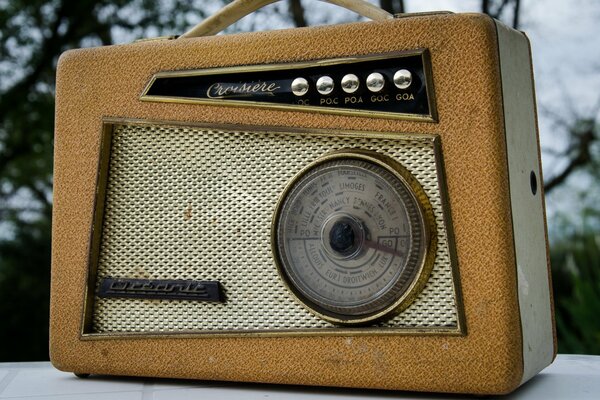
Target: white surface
570, 377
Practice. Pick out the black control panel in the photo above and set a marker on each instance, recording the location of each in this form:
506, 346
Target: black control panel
383, 85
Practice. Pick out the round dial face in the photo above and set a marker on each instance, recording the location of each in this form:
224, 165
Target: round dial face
351, 238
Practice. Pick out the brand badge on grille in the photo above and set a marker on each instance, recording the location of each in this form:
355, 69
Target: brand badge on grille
164, 289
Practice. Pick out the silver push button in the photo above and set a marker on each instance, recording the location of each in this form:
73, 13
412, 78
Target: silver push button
350, 83
375, 82
402, 78
325, 85
299, 86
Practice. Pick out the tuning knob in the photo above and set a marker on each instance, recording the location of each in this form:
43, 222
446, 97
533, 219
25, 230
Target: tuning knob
325, 85
402, 78
350, 83
375, 82
299, 86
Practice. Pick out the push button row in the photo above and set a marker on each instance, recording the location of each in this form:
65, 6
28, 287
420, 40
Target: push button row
350, 83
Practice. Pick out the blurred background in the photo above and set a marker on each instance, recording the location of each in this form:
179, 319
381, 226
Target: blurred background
565, 37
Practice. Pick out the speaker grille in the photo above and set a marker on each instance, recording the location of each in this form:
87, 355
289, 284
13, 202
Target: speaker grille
196, 203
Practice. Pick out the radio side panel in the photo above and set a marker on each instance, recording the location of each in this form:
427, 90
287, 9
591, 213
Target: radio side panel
527, 202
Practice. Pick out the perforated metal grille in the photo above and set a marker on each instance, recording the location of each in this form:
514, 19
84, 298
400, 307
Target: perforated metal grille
189, 203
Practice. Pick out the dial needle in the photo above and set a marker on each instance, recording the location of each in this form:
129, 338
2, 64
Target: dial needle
376, 246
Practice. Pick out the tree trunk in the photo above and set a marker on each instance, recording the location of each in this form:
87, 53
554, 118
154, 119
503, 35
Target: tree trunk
516, 14
297, 11
391, 6
485, 6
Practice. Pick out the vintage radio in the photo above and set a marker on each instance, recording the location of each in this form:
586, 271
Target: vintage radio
356, 205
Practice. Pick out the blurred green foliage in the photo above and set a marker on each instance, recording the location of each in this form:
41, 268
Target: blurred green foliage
33, 34
576, 279
24, 293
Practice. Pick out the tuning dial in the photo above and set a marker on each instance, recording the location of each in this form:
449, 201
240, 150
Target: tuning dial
299, 86
325, 85
375, 82
402, 78
350, 83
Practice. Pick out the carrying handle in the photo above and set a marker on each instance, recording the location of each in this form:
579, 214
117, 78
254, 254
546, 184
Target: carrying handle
238, 9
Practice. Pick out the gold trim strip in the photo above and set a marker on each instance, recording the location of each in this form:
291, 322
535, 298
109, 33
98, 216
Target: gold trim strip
97, 218
443, 189
282, 333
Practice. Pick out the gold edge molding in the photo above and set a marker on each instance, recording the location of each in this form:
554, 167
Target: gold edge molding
344, 332
449, 229
107, 127
290, 65
427, 71
96, 230
109, 122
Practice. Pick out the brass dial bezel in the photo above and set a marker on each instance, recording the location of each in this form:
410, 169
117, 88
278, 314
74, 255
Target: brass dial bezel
427, 252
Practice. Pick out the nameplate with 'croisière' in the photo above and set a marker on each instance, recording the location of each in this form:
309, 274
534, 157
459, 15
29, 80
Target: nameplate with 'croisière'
392, 85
